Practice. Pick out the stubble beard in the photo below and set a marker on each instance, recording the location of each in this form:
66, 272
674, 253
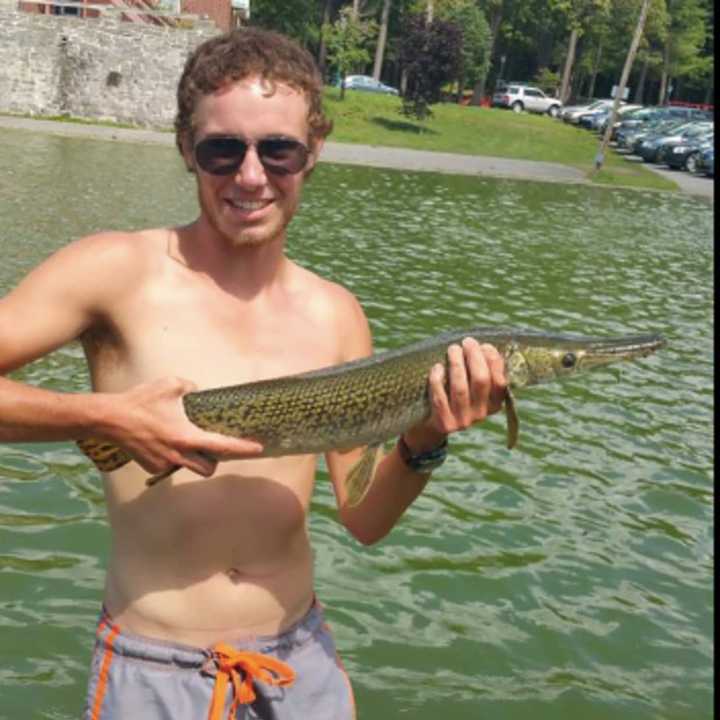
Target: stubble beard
251, 236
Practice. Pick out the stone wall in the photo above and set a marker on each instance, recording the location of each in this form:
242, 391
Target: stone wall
100, 69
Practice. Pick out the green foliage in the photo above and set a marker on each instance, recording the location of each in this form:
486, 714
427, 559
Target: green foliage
298, 20
547, 80
532, 34
475, 37
347, 42
687, 30
431, 54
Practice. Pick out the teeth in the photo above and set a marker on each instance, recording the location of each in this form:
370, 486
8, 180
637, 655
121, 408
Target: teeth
247, 204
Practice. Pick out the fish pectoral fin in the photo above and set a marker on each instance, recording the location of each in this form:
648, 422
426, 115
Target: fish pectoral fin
105, 455
513, 424
358, 480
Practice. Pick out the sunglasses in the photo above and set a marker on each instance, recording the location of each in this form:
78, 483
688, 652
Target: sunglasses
223, 155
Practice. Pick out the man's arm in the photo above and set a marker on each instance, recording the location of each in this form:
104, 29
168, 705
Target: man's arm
58, 301
477, 388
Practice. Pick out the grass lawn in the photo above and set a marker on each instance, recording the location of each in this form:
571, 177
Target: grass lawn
373, 119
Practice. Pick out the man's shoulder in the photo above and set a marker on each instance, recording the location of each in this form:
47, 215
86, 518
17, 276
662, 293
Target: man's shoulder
330, 296
112, 258
134, 247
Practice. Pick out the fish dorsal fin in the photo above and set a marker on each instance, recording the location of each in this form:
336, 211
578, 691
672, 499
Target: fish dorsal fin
513, 423
358, 480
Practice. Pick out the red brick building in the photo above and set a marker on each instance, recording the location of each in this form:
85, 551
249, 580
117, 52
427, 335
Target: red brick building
225, 14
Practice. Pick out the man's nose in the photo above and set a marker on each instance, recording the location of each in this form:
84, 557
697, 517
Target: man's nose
251, 171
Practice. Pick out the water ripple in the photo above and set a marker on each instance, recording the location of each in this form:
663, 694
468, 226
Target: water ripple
571, 577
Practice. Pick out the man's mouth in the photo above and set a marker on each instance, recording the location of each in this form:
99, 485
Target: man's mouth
248, 205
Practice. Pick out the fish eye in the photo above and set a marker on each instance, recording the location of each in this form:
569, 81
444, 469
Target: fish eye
569, 360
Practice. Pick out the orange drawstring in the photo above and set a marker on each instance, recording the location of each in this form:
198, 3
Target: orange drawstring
254, 666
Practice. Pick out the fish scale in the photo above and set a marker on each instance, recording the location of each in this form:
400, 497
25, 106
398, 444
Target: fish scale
374, 399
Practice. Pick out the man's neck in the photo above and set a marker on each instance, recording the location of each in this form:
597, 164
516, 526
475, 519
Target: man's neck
243, 270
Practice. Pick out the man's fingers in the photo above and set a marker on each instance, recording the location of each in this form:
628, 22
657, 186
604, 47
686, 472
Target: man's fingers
498, 379
438, 396
459, 386
225, 447
479, 374
200, 463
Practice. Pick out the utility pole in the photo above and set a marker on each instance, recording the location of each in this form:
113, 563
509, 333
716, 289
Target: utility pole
600, 157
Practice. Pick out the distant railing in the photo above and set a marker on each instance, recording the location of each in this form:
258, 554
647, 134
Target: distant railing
697, 106
138, 11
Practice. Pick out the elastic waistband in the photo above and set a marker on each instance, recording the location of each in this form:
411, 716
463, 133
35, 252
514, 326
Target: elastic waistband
179, 655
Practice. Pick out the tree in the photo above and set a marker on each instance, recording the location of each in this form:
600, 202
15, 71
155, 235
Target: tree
382, 39
578, 15
431, 56
685, 39
347, 40
475, 51
494, 12
289, 17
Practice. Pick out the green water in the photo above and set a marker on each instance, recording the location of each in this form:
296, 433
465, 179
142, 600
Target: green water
570, 578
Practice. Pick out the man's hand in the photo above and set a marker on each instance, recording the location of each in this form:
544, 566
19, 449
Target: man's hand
476, 388
149, 421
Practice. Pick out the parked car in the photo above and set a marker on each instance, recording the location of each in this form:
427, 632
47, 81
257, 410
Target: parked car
571, 114
684, 154
524, 97
601, 120
596, 120
368, 84
631, 139
654, 114
651, 149
706, 162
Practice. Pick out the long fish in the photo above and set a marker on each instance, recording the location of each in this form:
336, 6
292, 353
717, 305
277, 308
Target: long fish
369, 401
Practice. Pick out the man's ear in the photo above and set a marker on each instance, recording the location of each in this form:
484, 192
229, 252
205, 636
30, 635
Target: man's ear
317, 147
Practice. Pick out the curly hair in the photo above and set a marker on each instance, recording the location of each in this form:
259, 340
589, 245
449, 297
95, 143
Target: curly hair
244, 53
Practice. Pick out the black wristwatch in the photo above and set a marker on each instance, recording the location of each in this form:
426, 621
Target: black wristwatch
424, 462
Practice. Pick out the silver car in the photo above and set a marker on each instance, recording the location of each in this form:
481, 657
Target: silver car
524, 97
368, 84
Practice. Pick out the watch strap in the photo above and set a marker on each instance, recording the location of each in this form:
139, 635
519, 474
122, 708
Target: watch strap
423, 462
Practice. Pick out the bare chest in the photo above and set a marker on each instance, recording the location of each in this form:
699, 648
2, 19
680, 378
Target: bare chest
208, 337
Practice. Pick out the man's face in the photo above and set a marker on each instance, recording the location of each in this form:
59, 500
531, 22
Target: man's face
251, 206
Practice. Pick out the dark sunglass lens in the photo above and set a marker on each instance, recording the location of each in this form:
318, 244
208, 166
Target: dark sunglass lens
220, 156
283, 157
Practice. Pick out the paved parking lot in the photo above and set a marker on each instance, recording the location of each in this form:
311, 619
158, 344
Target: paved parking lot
691, 184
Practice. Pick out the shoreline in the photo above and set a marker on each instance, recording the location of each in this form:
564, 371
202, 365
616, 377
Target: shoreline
381, 157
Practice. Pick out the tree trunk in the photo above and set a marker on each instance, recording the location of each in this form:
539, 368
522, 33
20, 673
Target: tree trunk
569, 61
430, 11
641, 82
382, 39
594, 73
600, 157
322, 50
355, 10
665, 73
479, 89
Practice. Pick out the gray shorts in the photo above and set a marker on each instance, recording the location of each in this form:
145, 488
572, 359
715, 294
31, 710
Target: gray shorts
292, 676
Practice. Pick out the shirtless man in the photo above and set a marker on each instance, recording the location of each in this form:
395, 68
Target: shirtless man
209, 606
